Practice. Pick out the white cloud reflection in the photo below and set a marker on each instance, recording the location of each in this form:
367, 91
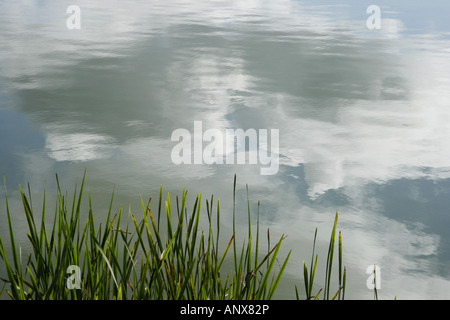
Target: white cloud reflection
379, 139
62, 146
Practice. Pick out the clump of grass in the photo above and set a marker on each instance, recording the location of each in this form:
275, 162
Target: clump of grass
143, 262
137, 261
308, 277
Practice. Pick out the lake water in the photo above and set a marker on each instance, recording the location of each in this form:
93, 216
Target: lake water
362, 114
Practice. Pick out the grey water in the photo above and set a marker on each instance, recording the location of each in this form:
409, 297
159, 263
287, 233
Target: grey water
363, 117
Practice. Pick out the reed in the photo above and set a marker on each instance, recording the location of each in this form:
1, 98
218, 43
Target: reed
145, 260
309, 277
138, 260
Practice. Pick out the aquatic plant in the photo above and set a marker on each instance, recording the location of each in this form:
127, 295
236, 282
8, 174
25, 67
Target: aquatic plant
163, 255
308, 277
138, 261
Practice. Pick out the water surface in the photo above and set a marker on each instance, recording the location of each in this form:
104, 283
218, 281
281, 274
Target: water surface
362, 115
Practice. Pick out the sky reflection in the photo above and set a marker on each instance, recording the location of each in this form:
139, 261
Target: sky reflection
363, 115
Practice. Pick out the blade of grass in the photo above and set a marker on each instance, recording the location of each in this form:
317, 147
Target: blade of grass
329, 265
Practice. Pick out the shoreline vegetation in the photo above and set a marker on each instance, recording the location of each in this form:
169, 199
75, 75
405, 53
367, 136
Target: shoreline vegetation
162, 255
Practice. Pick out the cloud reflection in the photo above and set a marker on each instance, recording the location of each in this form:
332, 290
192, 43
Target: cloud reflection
77, 146
354, 108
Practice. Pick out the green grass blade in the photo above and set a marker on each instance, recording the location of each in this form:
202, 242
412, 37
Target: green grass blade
329, 265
